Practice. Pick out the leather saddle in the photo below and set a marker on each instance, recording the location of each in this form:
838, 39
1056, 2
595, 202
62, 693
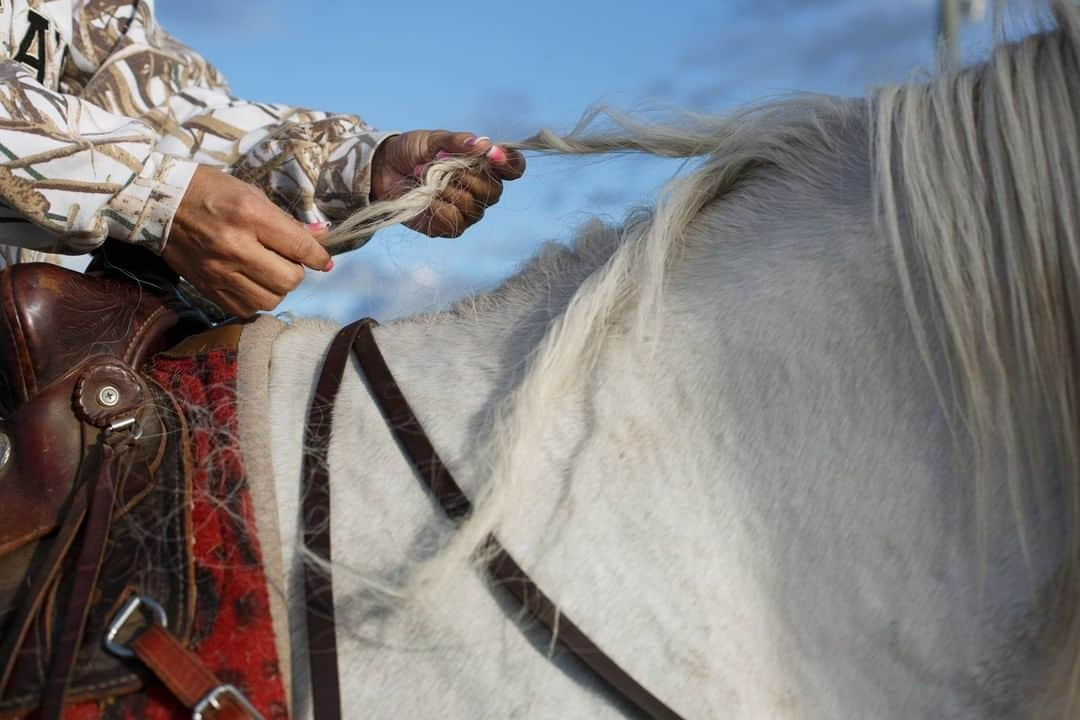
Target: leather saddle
75, 408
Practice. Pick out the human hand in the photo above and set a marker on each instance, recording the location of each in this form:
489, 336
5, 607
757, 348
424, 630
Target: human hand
236, 247
399, 165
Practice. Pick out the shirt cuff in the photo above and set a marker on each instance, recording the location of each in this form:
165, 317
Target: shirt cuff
345, 181
142, 213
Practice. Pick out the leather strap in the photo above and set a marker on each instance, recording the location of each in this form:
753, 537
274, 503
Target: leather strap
406, 427
42, 582
429, 466
91, 511
86, 527
101, 465
315, 520
185, 675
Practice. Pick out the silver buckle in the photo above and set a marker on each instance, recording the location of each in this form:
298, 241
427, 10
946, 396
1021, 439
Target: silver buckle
130, 424
213, 701
134, 603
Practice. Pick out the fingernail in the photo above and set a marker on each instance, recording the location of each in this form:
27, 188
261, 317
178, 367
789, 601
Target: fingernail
316, 226
329, 265
476, 140
496, 154
441, 155
418, 171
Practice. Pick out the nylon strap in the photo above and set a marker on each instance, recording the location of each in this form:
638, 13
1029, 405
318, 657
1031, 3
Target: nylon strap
433, 472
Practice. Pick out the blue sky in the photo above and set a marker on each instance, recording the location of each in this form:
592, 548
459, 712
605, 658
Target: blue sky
505, 69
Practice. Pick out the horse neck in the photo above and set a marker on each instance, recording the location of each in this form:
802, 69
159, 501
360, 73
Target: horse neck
454, 368
760, 516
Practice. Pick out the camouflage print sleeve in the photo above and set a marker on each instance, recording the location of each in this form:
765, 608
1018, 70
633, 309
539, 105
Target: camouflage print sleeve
75, 174
315, 164
101, 135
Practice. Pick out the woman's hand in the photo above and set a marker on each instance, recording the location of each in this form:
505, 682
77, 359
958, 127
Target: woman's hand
399, 165
238, 248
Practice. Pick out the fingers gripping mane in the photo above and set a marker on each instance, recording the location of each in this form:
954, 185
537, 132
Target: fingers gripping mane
691, 136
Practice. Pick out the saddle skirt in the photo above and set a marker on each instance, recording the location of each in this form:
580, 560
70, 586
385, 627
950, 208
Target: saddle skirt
76, 356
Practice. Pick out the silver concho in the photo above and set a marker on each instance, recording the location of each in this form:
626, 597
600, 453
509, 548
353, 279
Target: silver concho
109, 396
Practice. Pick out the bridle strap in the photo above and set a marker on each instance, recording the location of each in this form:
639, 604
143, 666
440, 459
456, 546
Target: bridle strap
315, 522
429, 466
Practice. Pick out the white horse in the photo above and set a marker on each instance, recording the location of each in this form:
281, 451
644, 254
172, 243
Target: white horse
718, 440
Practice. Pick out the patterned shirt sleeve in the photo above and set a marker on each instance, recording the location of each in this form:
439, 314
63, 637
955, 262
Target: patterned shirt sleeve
79, 173
317, 165
109, 148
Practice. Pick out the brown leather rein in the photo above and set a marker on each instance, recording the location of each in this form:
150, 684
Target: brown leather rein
358, 340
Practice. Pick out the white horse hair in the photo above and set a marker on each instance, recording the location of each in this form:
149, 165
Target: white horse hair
800, 442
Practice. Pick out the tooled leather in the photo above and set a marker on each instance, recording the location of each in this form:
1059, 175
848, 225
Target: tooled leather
148, 551
142, 343
48, 440
47, 446
52, 319
14, 353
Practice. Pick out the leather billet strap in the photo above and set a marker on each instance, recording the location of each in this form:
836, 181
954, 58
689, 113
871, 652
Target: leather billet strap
188, 678
429, 466
139, 630
102, 461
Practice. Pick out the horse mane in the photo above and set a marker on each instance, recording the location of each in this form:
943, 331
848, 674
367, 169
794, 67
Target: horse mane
976, 174
627, 288
976, 180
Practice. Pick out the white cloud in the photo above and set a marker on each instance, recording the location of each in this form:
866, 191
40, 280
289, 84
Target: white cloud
358, 287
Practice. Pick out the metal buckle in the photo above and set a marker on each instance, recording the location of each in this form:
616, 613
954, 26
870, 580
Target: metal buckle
128, 423
134, 603
213, 701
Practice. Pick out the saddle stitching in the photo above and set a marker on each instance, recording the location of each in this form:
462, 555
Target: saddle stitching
18, 341
137, 335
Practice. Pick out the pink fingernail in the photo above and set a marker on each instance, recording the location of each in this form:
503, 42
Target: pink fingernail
441, 155
329, 265
315, 226
496, 154
418, 171
476, 140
